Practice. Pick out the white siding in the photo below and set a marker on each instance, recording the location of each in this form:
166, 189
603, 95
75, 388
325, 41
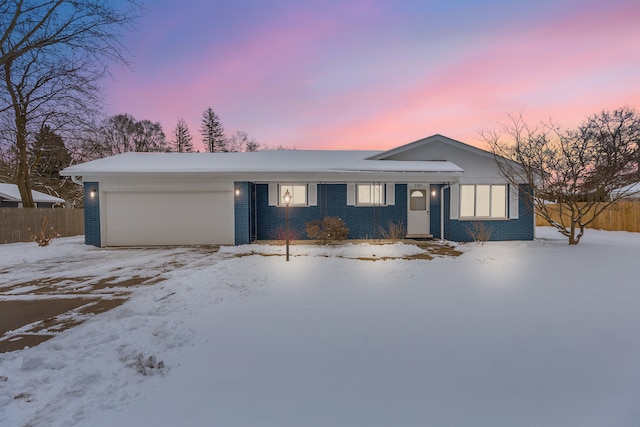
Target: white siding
391, 194
273, 194
514, 201
454, 201
351, 194
313, 194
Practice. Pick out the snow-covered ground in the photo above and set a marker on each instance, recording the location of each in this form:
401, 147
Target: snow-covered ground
508, 334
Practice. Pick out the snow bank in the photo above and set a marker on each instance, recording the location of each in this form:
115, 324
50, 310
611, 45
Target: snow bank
514, 333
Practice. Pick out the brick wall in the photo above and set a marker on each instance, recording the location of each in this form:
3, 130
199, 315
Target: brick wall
91, 215
363, 222
242, 195
511, 229
434, 211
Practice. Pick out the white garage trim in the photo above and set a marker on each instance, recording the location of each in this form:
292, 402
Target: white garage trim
153, 218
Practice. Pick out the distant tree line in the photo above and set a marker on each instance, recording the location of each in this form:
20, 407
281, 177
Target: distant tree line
49, 150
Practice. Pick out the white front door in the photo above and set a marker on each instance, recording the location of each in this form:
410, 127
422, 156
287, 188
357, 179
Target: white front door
418, 210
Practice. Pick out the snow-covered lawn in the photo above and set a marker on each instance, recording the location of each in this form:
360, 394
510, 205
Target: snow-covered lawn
508, 334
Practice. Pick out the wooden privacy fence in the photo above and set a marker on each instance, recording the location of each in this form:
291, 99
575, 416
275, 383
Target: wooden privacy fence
14, 222
623, 215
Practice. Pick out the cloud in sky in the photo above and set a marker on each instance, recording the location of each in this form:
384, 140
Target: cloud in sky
378, 73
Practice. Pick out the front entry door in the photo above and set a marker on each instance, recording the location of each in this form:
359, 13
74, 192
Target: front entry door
418, 215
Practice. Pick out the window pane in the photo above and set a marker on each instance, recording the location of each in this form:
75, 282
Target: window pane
283, 191
364, 194
499, 201
418, 200
298, 194
467, 200
483, 200
369, 194
376, 194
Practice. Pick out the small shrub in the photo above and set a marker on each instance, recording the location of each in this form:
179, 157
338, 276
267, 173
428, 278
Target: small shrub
395, 231
479, 232
47, 234
280, 234
327, 230
143, 365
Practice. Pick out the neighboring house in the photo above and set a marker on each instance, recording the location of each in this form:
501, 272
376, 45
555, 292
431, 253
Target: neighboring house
10, 198
436, 186
631, 191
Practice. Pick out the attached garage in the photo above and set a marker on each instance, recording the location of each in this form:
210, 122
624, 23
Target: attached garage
149, 218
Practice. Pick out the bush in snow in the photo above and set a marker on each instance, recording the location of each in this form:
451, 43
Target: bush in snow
479, 232
280, 234
46, 235
327, 230
146, 366
395, 231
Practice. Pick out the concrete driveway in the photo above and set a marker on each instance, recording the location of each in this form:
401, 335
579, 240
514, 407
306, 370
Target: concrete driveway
41, 298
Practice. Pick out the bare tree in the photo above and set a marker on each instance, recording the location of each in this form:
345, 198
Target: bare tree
240, 141
282, 147
123, 133
27, 25
52, 54
572, 172
149, 136
182, 137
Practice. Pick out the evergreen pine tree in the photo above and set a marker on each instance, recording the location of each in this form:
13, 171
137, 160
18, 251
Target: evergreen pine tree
182, 137
212, 132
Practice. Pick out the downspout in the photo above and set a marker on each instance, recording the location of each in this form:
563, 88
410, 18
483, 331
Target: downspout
76, 180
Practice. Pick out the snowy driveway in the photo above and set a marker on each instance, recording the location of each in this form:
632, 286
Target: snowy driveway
508, 334
44, 291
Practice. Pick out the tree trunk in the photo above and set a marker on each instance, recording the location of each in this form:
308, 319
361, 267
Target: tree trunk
572, 234
23, 175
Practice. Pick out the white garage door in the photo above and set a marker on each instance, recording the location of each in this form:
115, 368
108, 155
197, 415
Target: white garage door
168, 218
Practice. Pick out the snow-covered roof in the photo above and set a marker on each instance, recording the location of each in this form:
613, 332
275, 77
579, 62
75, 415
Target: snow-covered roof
12, 193
433, 139
632, 190
311, 161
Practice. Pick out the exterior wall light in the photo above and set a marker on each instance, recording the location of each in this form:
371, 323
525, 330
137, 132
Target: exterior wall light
434, 193
237, 191
92, 193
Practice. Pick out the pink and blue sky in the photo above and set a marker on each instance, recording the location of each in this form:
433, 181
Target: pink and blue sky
375, 74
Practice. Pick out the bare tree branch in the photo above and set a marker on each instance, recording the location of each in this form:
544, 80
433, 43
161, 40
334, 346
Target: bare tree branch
573, 172
52, 55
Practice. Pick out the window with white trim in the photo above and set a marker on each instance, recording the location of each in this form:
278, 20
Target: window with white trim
298, 194
370, 194
483, 201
